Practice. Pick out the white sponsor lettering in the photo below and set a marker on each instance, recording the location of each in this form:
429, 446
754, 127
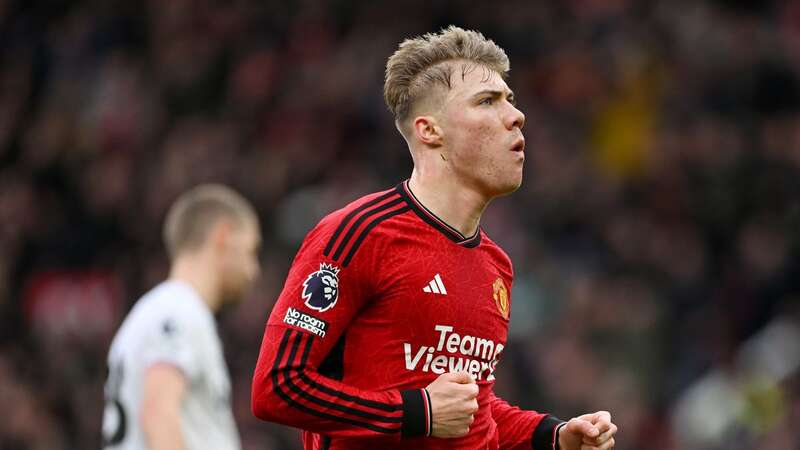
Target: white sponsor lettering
452, 343
454, 353
413, 362
443, 330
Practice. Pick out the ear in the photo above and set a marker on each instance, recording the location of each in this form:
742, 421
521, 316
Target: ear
220, 234
427, 130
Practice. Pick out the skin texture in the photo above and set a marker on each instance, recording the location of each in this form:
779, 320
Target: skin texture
220, 270
480, 126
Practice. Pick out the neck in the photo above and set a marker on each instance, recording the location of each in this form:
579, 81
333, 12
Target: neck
457, 205
194, 270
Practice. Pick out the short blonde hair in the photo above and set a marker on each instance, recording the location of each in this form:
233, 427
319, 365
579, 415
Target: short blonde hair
193, 214
423, 62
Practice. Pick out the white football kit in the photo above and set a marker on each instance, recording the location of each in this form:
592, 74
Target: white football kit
170, 324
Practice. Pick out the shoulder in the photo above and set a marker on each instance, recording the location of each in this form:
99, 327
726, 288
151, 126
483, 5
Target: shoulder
172, 305
495, 252
168, 324
344, 232
362, 209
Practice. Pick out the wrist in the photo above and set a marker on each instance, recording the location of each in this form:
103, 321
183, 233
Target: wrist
417, 413
544, 435
557, 440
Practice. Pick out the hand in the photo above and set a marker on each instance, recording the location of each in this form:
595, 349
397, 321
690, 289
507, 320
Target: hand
588, 432
453, 404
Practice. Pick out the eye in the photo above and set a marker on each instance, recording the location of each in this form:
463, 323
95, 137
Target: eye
486, 101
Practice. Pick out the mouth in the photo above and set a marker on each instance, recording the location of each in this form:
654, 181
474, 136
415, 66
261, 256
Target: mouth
519, 145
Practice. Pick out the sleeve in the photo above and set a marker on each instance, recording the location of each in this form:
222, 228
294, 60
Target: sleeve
172, 340
320, 298
519, 429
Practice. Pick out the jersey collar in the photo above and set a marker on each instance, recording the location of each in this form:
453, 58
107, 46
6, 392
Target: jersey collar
430, 218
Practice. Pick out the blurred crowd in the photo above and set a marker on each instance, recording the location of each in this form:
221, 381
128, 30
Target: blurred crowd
655, 238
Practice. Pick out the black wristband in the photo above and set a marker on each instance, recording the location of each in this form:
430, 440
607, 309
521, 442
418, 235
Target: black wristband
543, 437
556, 445
416, 413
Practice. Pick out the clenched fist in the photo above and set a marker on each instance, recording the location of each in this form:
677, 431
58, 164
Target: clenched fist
453, 404
588, 432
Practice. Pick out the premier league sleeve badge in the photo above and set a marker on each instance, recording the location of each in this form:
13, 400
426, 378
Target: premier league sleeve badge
321, 288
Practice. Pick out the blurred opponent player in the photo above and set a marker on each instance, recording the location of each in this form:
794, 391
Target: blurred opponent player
395, 311
168, 385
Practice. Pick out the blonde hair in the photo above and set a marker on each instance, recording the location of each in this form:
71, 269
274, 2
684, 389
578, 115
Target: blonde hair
194, 213
422, 63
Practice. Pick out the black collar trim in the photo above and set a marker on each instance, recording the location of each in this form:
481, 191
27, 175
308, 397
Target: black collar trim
440, 225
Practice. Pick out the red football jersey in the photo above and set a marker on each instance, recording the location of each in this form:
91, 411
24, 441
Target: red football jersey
381, 299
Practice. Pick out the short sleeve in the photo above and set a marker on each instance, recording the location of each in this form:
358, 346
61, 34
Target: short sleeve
172, 339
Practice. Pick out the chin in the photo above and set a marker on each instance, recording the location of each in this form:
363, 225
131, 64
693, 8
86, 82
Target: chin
508, 191
510, 187
498, 193
500, 186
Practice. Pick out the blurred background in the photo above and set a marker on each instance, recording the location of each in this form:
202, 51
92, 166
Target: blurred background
655, 238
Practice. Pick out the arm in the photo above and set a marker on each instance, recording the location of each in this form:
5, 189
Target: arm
293, 393
519, 429
164, 387
315, 308
288, 389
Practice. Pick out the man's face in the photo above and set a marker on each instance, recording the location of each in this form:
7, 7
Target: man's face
481, 130
239, 261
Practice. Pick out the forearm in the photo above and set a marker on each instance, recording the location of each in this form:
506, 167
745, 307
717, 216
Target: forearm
522, 430
287, 389
162, 431
160, 416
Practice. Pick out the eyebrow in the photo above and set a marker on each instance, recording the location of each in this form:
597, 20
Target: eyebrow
496, 94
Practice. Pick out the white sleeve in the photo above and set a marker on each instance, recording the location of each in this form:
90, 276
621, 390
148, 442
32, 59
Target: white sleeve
173, 339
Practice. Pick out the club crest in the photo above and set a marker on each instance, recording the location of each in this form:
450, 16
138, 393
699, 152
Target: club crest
321, 288
500, 296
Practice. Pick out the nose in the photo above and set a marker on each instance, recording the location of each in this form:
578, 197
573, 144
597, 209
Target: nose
515, 118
